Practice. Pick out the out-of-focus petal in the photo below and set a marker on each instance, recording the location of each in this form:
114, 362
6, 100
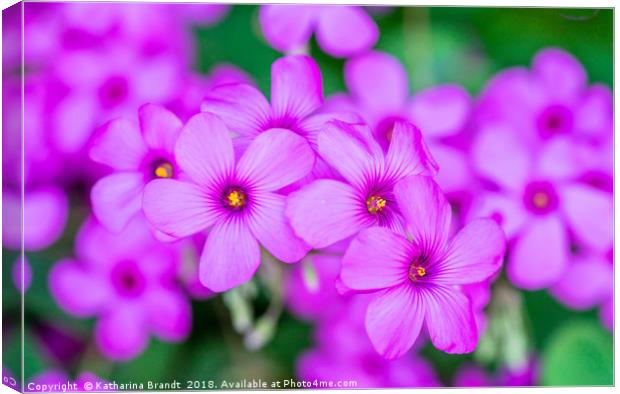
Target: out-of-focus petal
230, 256
287, 27
586, 282
296, 87
377, 258
394, 320
120, 145
46, 211
441, 110
325, 212
117, 198
76, 290
344, 30
179, 208
121, 334
563, 76
540, 255
449, 319
271, 228
508, 212
276, 158
594, 113
169, 314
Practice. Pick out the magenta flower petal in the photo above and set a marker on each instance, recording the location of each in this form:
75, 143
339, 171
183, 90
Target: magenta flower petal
543, 243
274, 159
204, 150
353, 153
170, 314
500, 156
46, 211
449, 320
378, 80
296, 87
119, 145
287, 27
474, 254
586, 283
121, 334
455, 172
272, 230
377, 258
557, 160
179, 208
394, 319
72, 122
78, 292
407, 153
230, 256
426, 210
590, 214
243, 107
325, 212
508, 212
441, 110
563, 76
594, 115
160, 127
344, 30
117, 198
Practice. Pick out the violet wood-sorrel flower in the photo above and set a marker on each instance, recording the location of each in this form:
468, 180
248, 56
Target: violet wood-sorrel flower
238, 199
415, 280
138, 155
326, 211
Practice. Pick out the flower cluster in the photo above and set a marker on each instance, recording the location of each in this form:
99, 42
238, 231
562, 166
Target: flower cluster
393, 211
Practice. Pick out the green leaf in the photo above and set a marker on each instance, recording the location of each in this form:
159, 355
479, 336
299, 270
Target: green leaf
580, 353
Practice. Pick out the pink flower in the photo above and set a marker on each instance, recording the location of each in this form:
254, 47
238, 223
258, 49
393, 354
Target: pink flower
326, 210
414, 281
341, 31
138, 154
237, 199
127, 281
540, 203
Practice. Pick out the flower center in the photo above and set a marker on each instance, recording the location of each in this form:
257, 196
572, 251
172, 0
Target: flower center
375, 204
540, 200
554, 120
113, 91
163, 169
235, 199
540, 197
416, 272
127, 279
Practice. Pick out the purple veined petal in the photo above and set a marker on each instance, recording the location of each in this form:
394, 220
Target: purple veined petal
407, 154
46, 211
394, 319
540, 255
204, 150
160, 127
314, 124
594, 112
455, 173
73, 122
270, 227
76, 290
119, 145
377, 258
351, 150
242, 107
276, 158
441, 111
508, 212
590, 214
564, 77
426, 211
287, 27
474, 255
499, 155
587, 281
117, 198
169, 314
230, 257
296, 87
449, 319
343, 31
121, 334
326, 211
378, 80
178, 208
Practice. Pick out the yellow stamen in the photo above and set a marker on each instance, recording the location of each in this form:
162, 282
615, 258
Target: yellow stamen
375, 204
540, 199
164, 170
235, 199
416, 272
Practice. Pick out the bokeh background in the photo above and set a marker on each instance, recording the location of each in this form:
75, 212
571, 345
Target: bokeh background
436, 45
